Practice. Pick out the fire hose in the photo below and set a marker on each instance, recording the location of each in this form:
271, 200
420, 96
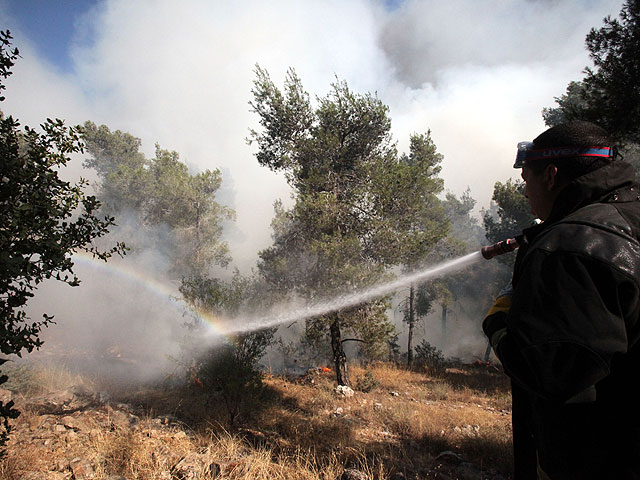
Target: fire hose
501, 247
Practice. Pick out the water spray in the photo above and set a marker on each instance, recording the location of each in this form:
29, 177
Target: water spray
291, 313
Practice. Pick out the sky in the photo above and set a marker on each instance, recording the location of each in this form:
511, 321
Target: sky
475, 73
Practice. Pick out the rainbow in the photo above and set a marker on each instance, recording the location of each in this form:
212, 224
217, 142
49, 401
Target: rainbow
164, 291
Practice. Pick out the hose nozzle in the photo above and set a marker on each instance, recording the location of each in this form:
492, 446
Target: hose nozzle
500, 248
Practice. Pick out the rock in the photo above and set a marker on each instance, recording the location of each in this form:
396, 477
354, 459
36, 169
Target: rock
103, 397
81, 468
352, 474
75, 423
449, 457
344, 390
194, 466
5, 396
34, 476
395, 394
377, 407
60, 429
121, 419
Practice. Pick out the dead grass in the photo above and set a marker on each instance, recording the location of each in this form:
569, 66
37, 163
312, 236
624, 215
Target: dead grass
34, 378
298, 429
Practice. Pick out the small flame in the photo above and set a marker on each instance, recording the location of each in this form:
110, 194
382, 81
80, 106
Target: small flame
326, 370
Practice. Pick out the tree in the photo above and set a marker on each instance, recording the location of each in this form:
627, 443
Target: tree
513, 212
43, 222
358, 207
512, 216
161, 191
423, 212
609, 94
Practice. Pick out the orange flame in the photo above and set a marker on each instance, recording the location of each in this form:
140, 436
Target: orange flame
325, 370
197, 381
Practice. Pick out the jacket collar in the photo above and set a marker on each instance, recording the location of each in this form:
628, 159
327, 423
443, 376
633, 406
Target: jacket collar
589, 188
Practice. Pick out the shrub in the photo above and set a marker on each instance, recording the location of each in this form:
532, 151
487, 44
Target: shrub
430, 359
367, 382
232, 370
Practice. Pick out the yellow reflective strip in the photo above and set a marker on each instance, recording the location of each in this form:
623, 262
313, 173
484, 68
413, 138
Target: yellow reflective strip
502, 304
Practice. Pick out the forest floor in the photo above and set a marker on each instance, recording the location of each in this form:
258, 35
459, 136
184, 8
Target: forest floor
404, 425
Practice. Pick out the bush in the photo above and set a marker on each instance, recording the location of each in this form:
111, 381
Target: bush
430, 359
367, 382
232, 370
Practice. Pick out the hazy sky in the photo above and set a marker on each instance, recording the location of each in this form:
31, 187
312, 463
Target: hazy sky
477, 73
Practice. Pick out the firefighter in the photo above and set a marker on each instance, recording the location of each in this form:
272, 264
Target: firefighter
566, 330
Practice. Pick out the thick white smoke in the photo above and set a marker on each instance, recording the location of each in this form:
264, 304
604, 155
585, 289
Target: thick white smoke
180, 74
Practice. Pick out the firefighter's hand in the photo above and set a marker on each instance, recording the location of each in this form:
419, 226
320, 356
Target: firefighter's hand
495, 321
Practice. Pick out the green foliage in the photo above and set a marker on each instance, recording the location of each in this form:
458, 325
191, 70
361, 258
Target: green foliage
232, 369
367, 383
513, 214
359, 206
465, 227
430, 359
161, 192
43, 221
609, 94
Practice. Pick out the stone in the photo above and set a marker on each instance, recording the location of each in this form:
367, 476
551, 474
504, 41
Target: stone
449, 457
34, 476
5, 395
395, 394
353, 474
103, 397
82, 469
377, 407
344, 390
120, 419
194, 466
75, 423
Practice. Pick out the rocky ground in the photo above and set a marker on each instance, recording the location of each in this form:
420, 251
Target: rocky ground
79, 433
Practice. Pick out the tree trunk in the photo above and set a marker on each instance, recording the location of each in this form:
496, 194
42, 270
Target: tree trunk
444, 324
339, 357
411, 322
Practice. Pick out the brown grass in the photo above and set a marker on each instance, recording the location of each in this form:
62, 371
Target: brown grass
298, 429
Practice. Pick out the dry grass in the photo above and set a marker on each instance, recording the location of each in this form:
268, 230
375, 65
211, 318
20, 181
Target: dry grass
34, 378
298, 429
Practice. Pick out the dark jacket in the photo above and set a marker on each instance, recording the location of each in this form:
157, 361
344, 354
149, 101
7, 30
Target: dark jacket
571, 345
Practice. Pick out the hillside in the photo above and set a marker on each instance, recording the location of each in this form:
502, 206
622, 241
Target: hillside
404, 425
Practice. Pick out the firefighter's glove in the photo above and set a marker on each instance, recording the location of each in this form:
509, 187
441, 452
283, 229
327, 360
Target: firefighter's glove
495, 322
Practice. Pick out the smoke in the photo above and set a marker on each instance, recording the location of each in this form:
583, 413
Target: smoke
180, 74
126, 321
476, 74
